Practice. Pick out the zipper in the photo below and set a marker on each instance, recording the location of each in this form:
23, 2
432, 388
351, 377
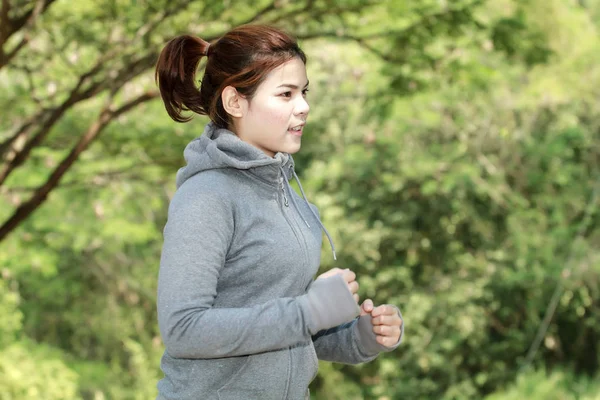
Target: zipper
285, 200
294, 223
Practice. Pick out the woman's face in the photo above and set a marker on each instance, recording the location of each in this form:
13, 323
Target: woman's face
274, 119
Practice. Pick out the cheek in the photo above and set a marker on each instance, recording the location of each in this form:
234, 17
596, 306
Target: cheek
276, 112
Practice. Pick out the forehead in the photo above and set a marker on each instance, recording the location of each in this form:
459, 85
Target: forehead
292, 72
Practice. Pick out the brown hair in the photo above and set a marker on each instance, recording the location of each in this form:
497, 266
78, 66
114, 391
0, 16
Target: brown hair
241, 59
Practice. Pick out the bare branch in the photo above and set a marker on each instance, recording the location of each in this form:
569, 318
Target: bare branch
106, 116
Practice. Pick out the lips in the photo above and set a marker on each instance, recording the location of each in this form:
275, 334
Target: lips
297, 130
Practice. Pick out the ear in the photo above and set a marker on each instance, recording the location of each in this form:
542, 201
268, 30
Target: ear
233, 103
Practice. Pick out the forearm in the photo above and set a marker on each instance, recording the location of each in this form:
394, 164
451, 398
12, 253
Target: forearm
194, 331
228, 332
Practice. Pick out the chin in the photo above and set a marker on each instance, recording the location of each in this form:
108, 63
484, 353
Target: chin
292, 149
288, 146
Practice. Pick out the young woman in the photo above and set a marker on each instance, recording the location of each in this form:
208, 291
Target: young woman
239, 312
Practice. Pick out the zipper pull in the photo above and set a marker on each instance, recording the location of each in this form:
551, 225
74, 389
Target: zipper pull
285, 200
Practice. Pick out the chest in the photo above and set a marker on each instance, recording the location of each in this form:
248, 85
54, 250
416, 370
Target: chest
276, 248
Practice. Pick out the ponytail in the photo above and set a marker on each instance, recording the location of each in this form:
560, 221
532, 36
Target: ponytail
176, 76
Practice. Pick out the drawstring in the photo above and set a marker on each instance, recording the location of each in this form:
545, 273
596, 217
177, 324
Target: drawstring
309, 207
296, 205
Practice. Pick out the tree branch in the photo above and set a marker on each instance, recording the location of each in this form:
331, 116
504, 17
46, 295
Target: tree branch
14, 156
11, 26
5, 23
106, 116
16, 149
100, 179
358, 39
6, 58
404, 33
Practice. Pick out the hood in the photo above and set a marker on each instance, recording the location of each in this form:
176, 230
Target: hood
220, 148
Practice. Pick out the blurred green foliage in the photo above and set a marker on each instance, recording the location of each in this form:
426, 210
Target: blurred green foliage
555, 386
453, 150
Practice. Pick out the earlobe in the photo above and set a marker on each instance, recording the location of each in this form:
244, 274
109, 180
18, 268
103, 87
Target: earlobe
232, 102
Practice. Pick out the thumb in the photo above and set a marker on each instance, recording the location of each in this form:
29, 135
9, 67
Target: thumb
366, 307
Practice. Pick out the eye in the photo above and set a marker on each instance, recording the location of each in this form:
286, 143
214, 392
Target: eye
287, 94
304, 92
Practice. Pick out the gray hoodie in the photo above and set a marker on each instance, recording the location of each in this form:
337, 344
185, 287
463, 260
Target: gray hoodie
239, 312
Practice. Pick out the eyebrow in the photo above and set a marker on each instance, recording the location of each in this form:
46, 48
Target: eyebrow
291, 86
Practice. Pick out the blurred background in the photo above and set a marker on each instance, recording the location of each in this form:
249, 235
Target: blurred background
453, 148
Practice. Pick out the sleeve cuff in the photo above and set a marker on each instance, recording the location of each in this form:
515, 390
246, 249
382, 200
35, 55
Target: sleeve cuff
329, 304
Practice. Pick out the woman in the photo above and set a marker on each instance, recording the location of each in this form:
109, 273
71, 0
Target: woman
239, 311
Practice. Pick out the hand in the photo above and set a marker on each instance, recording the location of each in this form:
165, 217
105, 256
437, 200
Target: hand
386, 322
349, 277
366, 307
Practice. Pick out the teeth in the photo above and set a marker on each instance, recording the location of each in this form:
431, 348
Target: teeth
297, 128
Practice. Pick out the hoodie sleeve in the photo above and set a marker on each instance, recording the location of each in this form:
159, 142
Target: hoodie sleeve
351, 343
196, 238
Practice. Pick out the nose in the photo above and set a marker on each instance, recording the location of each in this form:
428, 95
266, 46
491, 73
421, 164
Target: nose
302, 107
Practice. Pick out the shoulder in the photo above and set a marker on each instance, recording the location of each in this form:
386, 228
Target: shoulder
216, 181
213, 189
